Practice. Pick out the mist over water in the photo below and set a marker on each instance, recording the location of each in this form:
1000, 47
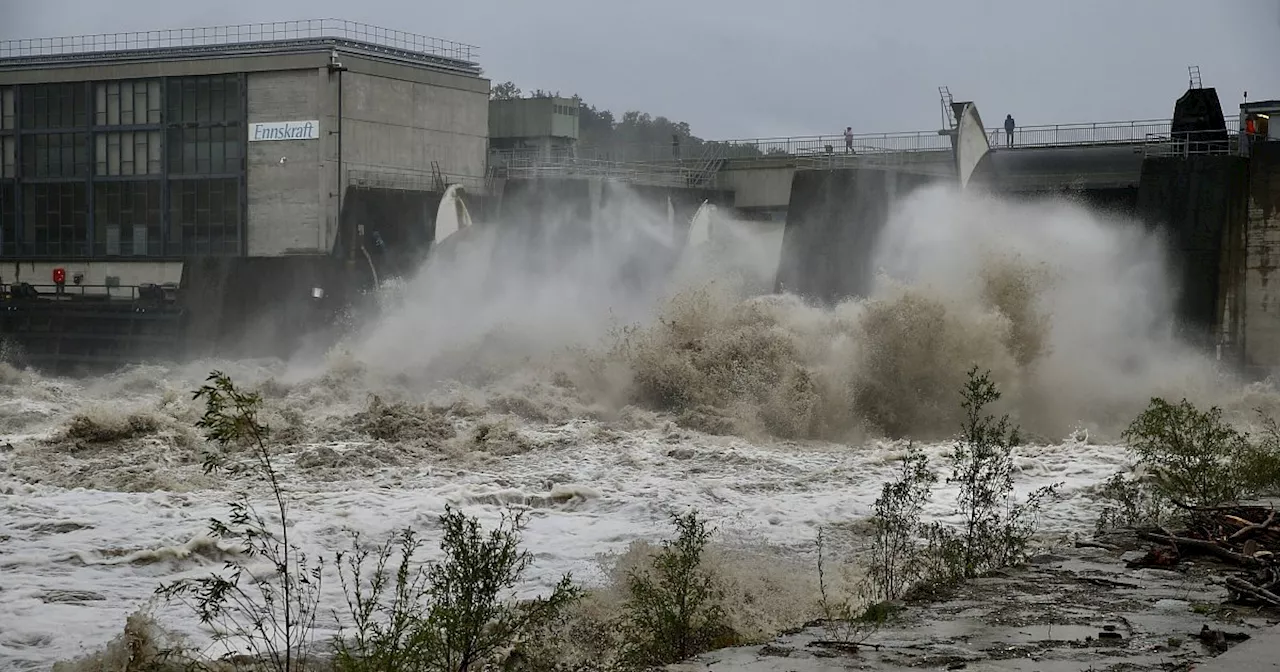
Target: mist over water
1071, 310
521, 287
600, 371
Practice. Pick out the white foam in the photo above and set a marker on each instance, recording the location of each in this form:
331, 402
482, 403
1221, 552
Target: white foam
587, 497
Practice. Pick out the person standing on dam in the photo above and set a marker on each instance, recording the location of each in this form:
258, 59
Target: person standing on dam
1009, 125
848, 139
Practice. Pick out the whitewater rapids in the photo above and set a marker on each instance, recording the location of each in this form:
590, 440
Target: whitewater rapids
88, 537
537, 398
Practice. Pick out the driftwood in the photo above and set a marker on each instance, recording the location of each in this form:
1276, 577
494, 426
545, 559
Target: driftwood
1245, 536
1210, 547
1242, 586
1250, 528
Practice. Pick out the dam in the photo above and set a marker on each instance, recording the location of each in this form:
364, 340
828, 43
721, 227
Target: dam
232, 191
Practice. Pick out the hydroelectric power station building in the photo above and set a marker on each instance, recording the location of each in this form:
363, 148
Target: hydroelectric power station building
264, 169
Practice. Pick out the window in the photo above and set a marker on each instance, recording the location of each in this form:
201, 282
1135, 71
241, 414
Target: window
205, 151
55, 155
7, 113
54, 106
8, 157
128, 153
55, 219
129, 102
8, 220
127, 217
204, 217
204, 100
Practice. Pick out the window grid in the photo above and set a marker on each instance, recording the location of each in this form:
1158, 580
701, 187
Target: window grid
128, 153
8, 219
56, 219
127, 103
8, 157
128, 217
55, 155
204, 217
204, 100
8, 114
148, 167
54, 106
215, 150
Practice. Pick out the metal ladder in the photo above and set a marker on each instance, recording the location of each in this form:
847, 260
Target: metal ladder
709, 163
949, 120
437, 177
1193, 77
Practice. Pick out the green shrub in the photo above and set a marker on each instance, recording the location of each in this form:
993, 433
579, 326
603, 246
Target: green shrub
273, 613
454, 615
1197, 459
895, 547
1191, 459
674, 610
996, 530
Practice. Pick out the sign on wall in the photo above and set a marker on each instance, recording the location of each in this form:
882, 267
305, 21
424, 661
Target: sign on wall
285, 130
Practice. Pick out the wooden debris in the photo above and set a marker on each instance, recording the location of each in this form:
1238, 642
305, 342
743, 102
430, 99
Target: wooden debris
1250, 528
1246, 588
1211, 547
1245, 536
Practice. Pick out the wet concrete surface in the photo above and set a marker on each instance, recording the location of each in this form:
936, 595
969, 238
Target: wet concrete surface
1077, 609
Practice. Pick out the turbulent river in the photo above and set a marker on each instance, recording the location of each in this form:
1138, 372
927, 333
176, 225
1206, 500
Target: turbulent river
603, 411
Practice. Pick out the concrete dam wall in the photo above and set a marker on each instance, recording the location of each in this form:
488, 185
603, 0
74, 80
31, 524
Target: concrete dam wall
1197, 203
1259, 297
833, 223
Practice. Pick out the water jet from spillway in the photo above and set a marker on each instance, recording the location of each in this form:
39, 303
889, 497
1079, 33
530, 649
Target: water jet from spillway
452, 215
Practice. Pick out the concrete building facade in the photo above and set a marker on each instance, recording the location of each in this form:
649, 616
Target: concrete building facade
540, 126
122, 156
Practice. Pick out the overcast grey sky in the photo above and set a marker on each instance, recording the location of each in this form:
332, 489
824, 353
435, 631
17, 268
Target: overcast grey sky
749, 68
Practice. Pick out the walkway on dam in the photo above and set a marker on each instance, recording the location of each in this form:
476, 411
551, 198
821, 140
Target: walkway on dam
1110, 152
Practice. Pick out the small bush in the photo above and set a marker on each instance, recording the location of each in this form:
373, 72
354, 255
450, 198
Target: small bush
895, 548
271, 613
1191, 459
1197, 459
996, 530
452, 616
908, 556
1130, 503
675, 610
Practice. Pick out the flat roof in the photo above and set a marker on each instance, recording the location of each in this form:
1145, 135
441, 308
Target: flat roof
242, 39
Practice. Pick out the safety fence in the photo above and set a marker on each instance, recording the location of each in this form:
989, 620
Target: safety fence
1136, 132
923, 151
240, 34
543, 166
1194, 143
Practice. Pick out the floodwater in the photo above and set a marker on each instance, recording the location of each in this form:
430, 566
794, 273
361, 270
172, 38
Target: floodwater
604, 411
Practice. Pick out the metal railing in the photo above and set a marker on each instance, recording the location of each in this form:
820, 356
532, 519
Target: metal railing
1050, 135
653, 173
1058, 135
241, 34
70, 292
410, 180
1195, 143
917, 151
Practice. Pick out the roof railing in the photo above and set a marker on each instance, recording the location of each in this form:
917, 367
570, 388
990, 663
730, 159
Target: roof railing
239, 34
